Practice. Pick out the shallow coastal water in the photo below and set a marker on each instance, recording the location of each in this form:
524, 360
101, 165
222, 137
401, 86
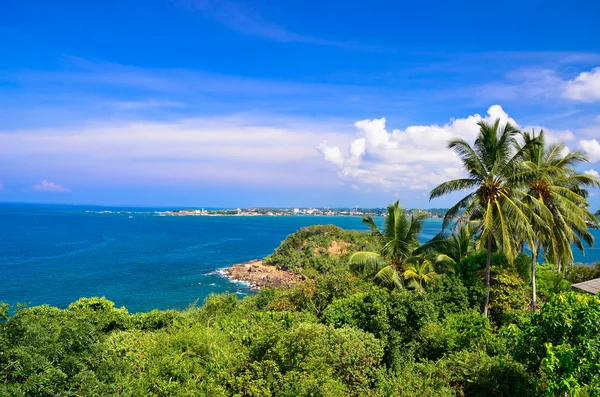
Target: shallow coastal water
56, 254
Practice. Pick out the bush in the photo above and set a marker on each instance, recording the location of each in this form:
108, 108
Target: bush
508, 298
469, 330
550, 283
394, 317
580, 273
449, 295
475, 373
561, 344
101, 312
47, 352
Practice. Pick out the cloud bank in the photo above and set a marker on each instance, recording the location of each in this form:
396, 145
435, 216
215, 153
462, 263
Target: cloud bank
247, 150
234, 150
417, 157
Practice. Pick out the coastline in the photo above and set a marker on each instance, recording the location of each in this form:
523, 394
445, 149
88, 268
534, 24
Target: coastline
257, 275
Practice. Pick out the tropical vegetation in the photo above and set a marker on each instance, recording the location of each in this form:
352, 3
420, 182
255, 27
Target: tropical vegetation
521, 192
485, 308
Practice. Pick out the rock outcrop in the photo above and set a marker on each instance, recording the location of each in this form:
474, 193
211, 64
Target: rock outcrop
259, 275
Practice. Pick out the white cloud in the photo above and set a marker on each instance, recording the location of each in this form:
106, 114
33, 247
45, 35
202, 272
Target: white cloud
245, 150
332, 154
45, 186
591, 172
553, 135
414, 158
592, 147
585, 87
233, 150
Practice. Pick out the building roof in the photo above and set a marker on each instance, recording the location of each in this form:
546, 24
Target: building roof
590, 286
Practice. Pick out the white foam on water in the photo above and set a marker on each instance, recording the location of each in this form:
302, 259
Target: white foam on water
218, 272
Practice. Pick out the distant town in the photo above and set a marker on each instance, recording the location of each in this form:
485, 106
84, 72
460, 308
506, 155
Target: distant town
431, 212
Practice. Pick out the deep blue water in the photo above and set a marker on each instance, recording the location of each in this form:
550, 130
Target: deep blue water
57, 254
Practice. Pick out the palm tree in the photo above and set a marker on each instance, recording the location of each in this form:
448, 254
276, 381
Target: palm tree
419, 269
398, 240
456, 245
556, 189
495, 199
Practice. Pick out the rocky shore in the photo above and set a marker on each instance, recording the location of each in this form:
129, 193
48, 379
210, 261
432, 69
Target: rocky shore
259, 275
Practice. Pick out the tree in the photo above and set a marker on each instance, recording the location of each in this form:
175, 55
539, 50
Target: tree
398, 240
496, 200
556, 188
456, 245
419, 269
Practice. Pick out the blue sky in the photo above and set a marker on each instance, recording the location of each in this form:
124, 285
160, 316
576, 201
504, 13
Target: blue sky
279, 103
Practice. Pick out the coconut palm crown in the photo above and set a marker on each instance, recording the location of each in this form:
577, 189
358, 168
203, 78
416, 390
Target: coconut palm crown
559, 191
398, 241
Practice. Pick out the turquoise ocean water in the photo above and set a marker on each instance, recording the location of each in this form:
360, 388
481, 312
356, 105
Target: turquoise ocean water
57, 254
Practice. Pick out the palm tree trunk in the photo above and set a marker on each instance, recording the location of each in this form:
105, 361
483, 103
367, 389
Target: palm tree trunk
488, 267
534, 256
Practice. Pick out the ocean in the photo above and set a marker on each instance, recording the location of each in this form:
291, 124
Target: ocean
55, 254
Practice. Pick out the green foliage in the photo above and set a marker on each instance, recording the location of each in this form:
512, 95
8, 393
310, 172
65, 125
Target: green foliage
336, 334
561, 344
395, 259
47, 351
550, 282
522, 265
467, 330
508, 297
525, 192
578, 274
413, 380
475, 373
450, 295
332, 336
319, 249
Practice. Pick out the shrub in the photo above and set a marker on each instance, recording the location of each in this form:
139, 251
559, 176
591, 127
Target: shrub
468, 330
550, 282
581, 273
561, 344
508, 298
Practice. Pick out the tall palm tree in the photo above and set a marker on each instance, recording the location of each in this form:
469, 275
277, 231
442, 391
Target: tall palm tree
495, 198
398, 240
555, 187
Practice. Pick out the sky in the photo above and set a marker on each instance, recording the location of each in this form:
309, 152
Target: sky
295, 103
